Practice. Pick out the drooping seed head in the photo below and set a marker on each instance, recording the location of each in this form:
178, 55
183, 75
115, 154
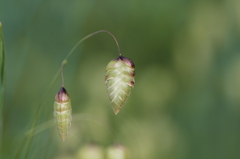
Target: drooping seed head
62, 112
119, 79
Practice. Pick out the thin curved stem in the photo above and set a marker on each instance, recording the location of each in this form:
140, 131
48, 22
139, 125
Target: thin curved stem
62, 76
62, 66
88, 36
64, 62
34, 123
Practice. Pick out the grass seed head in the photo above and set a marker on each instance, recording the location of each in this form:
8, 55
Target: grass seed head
62, 113
119, 79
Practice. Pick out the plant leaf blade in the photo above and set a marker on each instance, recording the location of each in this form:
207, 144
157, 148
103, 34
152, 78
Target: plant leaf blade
2, 70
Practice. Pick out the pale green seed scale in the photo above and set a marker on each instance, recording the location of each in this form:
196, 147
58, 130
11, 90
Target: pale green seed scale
63, 117
62, 113
119, 81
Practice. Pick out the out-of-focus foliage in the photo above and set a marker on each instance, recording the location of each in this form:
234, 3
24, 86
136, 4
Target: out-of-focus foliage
186, 99
2, 82
2, 71
90, 152
117, 152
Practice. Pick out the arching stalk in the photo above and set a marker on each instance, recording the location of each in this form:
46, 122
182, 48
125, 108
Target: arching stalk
60, 71
62, 107
88, 36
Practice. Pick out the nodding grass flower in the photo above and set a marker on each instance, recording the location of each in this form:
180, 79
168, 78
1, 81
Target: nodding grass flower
62, 112
120, 73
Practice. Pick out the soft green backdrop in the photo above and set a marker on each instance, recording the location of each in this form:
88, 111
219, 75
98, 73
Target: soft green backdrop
186, 100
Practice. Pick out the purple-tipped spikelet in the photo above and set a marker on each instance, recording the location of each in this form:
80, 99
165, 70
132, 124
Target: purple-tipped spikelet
62, 112
119, 80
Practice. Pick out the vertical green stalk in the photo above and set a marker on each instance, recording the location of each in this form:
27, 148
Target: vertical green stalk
28, 141
2, 70
2, 84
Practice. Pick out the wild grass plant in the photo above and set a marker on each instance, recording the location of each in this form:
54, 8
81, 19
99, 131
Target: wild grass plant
119, 81
184, 105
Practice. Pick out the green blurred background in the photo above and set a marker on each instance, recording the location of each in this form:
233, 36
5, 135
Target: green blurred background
186, 100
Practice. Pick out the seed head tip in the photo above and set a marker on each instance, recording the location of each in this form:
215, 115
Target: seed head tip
116, 112
62, 95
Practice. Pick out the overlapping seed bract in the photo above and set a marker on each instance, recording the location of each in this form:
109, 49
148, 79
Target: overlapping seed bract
62, 113
119, 80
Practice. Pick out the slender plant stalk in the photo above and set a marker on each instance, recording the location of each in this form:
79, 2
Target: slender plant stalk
64, 62
88, 36
77, 117
2, 70
33, 125
28, 140
3, 85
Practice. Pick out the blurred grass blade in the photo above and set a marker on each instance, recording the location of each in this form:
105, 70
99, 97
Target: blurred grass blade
40, 128
2, 82
28, 139
2, 70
